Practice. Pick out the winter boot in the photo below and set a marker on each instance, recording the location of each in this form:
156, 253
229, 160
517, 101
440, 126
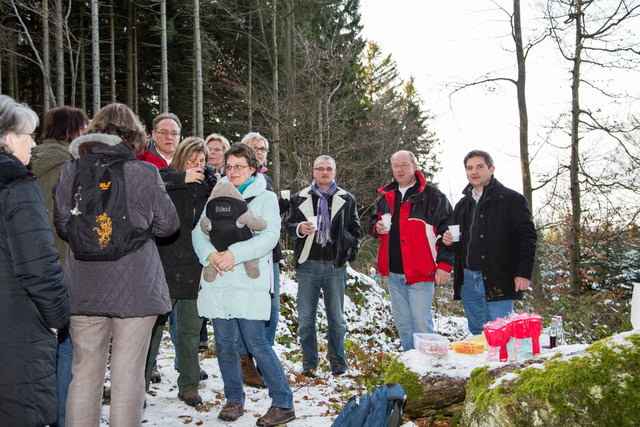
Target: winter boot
250, 374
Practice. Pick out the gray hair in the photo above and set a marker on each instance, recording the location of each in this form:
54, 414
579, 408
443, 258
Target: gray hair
163, 116
412, 156
479, 153
254, 136
325, 157
15, 117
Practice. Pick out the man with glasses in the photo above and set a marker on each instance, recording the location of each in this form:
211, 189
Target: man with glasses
325, 226
410, 251
164, 140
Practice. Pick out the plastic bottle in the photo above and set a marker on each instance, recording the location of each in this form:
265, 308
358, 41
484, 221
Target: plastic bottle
553, 333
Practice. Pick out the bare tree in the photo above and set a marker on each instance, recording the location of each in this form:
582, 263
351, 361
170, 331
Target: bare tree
164, 61
59, 49
601, 39
198, 119
95, 54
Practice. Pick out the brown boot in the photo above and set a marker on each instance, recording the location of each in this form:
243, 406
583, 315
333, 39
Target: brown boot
276, 416
250, 374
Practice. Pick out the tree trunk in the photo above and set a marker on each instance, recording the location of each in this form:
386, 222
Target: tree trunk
59, 46
574, 165
112, 51
250, 70
275, 141
130, 76
46, 101
291, 156
83, 65
164, 73
135, 60
95, 55
198, 52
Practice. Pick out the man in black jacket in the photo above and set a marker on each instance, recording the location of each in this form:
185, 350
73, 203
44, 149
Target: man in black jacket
325, 226
496, 251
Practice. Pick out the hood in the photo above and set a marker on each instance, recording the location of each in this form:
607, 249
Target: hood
11, 168
92, 140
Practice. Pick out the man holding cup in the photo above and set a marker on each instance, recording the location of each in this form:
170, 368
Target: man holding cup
408, 220
326, 229
496, 249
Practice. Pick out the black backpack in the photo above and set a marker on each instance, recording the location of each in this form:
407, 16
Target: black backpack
100, 228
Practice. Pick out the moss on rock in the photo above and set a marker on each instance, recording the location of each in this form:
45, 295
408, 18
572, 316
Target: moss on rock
398, 373
599, 387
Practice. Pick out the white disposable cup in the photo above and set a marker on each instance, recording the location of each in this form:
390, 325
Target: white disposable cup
455, 232
314, 220
386, 220
285, 194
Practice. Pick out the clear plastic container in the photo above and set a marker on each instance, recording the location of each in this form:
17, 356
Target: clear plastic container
431, 344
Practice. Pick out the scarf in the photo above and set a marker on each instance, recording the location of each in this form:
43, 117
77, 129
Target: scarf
323, 234
246, 184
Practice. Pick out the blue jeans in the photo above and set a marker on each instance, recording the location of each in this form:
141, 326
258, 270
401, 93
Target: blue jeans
63, 373
272, 324
253, 331
411, 307
313, 277
479, 311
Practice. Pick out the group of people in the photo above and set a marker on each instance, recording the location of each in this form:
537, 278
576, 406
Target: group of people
50, 301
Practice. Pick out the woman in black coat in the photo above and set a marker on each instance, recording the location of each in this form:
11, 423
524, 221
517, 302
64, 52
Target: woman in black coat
189, 185
33, 292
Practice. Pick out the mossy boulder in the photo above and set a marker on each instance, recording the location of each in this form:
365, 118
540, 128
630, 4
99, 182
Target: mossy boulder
599, 386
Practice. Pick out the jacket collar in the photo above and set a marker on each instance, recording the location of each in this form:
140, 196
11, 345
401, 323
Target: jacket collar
494, 187
11, 168
99, 138
393, 185
258, 186
306, 207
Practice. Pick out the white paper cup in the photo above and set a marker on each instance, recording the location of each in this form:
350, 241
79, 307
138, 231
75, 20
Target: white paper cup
285, 194
313, 220
455, 232
386, 220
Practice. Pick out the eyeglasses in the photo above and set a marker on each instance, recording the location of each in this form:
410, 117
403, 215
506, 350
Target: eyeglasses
216, 150
236, 167
167, 133
31, 134
261, 149
329, 169
402, 166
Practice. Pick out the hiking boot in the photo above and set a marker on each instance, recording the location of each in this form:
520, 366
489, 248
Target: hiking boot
276, 416
250, 375
203, 374
191, 399
155, 376
309, 373
231, 411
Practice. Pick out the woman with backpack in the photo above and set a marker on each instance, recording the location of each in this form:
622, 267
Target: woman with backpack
115, 298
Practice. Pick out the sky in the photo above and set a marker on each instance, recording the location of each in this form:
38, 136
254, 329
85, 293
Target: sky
440, 43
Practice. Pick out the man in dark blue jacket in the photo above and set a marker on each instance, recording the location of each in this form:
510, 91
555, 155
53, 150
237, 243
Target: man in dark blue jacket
496, 251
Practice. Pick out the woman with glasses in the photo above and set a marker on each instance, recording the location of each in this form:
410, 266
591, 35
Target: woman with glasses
239, 305
181, 266
33, 295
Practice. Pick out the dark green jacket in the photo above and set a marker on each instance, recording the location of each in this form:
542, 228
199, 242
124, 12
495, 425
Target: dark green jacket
46, 160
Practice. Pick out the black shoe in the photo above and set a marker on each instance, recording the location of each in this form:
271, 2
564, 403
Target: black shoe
155, 376
231, 411
203, 346
338, 372
276, 416
191, 399
203, 374
309, 373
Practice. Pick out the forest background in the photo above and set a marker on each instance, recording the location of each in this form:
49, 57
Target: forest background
301, 73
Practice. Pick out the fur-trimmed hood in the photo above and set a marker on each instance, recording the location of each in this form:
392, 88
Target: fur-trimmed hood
92, 139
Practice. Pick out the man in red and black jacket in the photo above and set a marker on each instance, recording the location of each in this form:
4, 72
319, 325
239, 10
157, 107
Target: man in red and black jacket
410, 251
